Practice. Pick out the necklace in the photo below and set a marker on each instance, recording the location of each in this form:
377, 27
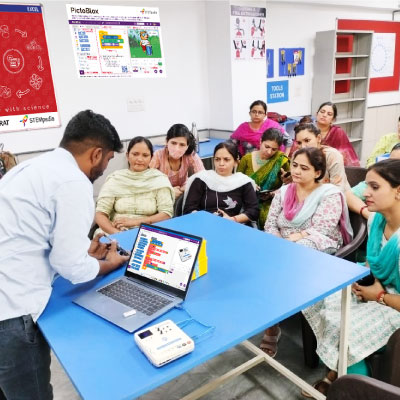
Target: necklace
172, 167
259, 161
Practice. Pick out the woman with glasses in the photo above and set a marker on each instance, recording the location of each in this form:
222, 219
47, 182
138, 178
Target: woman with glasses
247, 136
264, 167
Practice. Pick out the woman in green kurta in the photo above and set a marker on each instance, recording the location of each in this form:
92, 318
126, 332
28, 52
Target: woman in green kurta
135, 195
265, 167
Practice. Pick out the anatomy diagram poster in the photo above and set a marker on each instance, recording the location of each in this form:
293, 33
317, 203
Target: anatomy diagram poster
248, 33
27, 99
116, 41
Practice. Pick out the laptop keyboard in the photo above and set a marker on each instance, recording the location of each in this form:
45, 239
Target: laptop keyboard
133, 296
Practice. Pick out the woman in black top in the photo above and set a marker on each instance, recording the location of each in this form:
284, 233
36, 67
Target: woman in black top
223, 192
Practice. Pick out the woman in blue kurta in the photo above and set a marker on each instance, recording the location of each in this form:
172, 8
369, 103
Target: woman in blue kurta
374, 309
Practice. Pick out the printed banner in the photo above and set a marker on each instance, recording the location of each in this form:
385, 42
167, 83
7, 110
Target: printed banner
116, 41
248, 33
27, 99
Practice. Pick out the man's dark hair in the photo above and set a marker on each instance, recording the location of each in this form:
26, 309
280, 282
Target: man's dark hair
88, 129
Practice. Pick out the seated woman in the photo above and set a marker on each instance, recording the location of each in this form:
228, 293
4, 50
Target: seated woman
264, 167
333, 135
308, 135
309, 213
136, 194
223, 192
247, 136
374, 309
355, 196
178, 158
384, 145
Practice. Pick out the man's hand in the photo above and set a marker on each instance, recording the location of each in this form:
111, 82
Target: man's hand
113, 259
97, 249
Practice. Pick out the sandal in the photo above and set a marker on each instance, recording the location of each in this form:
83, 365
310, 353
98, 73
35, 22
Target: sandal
321, 385
269, 343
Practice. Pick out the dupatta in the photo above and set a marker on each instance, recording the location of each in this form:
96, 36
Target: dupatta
267, 175
298, 213
383, 261
338, 139
217, 182
125, 183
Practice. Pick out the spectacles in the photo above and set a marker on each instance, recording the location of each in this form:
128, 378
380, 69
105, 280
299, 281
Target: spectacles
255, 112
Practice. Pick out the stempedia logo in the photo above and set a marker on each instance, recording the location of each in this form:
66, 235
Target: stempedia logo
23, 120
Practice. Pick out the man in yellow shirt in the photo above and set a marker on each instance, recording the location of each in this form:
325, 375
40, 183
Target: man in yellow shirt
384, 145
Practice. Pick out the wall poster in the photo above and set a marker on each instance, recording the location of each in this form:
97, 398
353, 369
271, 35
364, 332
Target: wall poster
116, 41
248, 33
291, 61
27, 99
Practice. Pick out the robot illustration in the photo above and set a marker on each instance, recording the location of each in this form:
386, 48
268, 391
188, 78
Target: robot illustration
145, 43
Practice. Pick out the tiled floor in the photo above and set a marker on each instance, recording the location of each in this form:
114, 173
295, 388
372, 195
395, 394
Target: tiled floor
260, 383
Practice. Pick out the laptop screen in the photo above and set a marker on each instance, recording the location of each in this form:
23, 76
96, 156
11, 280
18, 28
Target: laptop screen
164, 256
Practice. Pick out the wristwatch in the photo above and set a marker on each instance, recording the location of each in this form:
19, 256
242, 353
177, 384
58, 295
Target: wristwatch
380, 297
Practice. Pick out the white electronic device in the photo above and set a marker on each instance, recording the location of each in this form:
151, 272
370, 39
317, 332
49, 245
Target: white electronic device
163, 342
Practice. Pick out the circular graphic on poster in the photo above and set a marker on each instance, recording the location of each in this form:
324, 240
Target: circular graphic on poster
13, 61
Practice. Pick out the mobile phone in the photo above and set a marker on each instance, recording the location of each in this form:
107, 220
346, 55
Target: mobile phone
367, 280
287, 174
120, 250
265, 191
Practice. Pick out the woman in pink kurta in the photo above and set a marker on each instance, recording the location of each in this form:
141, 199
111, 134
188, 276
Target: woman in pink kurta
178, 158
333, 135
248, 135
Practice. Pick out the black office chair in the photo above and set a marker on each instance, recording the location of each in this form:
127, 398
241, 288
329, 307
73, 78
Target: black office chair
355, 175
385, 365
358, 387
178, 211
348, 252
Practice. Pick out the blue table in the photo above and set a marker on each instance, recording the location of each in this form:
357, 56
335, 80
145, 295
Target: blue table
206, 148
254, 281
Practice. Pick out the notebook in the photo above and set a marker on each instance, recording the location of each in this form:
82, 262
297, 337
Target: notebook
156, 279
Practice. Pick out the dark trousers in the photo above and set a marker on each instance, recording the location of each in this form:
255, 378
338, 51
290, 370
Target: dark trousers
24, 361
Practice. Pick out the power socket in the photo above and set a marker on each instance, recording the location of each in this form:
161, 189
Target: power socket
135, 104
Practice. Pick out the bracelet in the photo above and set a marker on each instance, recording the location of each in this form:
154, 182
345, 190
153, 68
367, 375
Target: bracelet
362, 208
380, 297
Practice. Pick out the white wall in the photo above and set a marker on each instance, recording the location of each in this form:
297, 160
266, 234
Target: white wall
203, 82
181, 97
294, 25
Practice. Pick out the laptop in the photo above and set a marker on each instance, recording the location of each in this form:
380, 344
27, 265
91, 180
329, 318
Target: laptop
156, 279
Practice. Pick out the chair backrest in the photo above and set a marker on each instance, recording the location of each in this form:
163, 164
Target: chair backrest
355, 175
359, 225
358, 387
178, 211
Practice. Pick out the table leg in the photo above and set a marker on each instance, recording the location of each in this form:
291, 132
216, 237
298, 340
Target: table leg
344, 331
